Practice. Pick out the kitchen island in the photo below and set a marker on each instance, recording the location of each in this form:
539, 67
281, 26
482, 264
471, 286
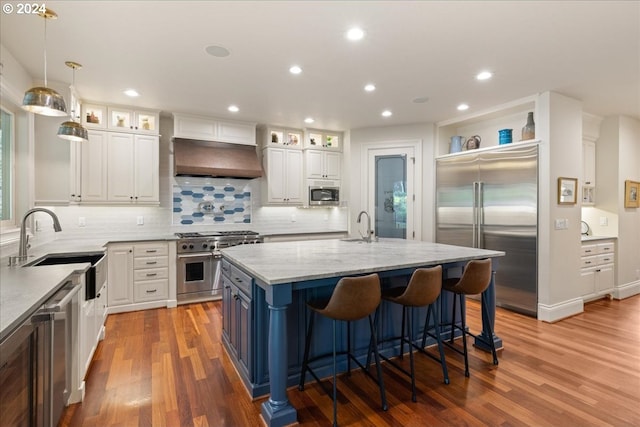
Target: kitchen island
278, 278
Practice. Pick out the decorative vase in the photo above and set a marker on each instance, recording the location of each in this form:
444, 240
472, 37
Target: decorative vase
529, 130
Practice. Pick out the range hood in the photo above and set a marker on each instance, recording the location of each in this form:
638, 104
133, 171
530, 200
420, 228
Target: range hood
216, 159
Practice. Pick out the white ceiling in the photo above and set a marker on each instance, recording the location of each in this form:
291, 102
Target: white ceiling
589, 50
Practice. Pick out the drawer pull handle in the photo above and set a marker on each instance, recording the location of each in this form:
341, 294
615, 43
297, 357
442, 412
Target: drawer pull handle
588, 251
152, 262
151, 274
151, 251
151, 291
588, 262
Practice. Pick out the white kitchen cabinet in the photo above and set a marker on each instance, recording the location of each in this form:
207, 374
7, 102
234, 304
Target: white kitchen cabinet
88, 342
123, 119
133, 168
597, 275
274, 136
120, 274
283, 168
94, 116
93, 168
322, 164
75, 171
588, 172
138, 276
323, 139
212, 129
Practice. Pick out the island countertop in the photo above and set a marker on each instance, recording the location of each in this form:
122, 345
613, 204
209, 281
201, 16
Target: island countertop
285, 262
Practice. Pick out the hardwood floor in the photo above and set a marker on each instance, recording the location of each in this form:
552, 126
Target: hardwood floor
167, 367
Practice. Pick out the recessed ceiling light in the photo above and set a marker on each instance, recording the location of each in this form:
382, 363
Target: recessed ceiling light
484, 75
420, 100
309, 120
295, 70
233, 108
217, 51
370, 87
131, 92
386, 113
355, 34
463, 107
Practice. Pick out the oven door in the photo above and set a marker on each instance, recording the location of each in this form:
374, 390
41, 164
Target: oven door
195, 275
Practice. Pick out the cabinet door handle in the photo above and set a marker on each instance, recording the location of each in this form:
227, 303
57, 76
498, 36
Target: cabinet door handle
588, 262
151, 291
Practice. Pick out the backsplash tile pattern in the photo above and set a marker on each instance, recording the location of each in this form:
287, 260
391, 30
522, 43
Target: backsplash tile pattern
220, 202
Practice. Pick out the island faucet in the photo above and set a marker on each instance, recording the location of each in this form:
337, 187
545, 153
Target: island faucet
24, 239
366, 238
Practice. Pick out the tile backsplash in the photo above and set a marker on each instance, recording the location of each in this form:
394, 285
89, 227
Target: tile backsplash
211, 202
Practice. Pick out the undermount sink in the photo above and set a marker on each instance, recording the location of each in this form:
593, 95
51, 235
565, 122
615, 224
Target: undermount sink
66, 259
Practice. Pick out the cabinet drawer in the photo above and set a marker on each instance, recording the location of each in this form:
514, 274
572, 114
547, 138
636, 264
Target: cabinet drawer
151, 290
589, 250
604, 248
150, 249
151, 274
588, 261
226, 268
605, 259
241, 280
150, 262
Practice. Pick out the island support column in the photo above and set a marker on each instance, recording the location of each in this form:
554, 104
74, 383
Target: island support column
489, 299
277, 411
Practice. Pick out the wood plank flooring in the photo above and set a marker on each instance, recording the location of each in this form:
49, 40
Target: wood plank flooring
167, 367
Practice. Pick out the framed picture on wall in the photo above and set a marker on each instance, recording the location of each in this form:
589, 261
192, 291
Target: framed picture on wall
567, 188
631, 189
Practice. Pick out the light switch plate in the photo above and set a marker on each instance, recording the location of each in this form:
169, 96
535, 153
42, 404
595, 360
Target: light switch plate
604, 221
140, 220
82, 221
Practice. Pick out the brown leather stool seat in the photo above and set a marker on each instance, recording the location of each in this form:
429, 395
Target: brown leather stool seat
475, 279
422, 291
353, 298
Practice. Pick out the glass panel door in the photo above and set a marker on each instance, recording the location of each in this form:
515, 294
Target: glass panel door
391, 196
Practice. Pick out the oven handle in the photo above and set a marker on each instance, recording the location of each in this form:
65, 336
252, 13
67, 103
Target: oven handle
198, 255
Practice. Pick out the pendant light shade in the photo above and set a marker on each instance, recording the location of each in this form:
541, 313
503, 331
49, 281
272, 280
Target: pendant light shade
43, 100
73, 131
70, 129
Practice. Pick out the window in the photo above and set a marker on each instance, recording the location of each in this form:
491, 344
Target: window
7, 139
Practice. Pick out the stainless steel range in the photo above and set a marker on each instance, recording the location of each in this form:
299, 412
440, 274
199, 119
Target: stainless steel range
198, 265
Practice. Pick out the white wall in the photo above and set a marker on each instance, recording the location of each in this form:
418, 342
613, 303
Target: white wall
389, 135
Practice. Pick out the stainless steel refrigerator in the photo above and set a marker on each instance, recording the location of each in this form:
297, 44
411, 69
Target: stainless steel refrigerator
489, 199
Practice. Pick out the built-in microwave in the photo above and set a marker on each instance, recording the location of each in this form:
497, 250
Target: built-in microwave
324, 196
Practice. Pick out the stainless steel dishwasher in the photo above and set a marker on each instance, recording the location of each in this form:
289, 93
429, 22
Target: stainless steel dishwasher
33, 363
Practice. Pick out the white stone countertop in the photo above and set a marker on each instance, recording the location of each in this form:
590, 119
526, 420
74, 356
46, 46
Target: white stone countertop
24, 289
591, 238
284, 262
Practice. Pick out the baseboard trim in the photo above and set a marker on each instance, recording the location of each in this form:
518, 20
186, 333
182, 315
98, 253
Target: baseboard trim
627, 290
553, 313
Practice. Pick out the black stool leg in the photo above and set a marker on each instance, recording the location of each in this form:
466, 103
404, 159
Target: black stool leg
305, 359
383, 397
335, 387
410, 337
404, 309
463, 316
436, 325
348, 348
453, 317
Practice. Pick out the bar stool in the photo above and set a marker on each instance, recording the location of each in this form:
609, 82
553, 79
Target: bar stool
352, 299
475, 279
423, 290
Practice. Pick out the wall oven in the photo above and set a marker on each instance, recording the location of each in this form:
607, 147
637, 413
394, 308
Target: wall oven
324, 196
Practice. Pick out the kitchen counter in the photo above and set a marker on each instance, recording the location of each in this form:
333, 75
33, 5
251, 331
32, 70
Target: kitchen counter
593, 238
267, 353
24, 289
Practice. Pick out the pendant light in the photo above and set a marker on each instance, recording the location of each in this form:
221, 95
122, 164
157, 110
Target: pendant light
70, 129
42, 100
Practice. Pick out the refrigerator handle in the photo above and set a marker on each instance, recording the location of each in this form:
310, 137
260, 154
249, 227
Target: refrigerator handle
480, 217
474, 223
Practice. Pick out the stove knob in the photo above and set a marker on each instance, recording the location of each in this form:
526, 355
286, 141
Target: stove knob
190, 245
205, 246
184, 246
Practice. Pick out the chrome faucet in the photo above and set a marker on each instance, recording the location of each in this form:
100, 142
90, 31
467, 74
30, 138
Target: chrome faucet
366, 238
24, 238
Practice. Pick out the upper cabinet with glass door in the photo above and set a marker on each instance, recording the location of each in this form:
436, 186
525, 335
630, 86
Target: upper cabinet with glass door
323, 139
274, 136
123, 119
